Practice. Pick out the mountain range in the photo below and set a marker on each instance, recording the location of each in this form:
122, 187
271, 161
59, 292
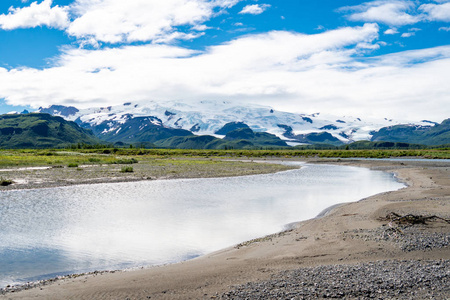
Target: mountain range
228, 125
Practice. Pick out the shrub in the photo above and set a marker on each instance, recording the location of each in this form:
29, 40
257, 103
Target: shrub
5, 182
72, 165
127, 170
125, 161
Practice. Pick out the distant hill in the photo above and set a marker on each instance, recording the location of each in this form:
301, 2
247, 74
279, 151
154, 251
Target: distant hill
40, 130
189, 142
138, 130
64, 111
243, 138
438, 134
257, 138
230, 127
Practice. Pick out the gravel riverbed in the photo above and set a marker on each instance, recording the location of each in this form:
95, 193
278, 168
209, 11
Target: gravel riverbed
386, 279
412, 279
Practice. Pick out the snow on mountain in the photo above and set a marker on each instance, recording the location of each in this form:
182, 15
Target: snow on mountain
207, 117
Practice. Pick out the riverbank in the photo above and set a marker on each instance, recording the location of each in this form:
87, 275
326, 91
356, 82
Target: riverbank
355, 235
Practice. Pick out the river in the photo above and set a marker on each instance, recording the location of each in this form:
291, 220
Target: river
58, 231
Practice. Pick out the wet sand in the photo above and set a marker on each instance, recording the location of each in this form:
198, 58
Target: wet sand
351, 234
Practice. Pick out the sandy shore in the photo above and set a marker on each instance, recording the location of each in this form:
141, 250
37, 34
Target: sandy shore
351, 234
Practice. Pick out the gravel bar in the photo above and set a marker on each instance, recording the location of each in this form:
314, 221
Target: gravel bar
412, 279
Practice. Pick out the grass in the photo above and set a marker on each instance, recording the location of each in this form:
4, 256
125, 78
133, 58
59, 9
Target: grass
30, 157
127, 170
342, 153
125, 161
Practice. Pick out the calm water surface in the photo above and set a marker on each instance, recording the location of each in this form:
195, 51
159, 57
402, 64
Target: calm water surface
59, 231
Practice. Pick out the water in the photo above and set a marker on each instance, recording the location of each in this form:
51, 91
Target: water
59, 231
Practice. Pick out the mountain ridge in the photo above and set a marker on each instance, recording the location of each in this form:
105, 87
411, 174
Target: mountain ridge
218, 118
208, 117
41, 130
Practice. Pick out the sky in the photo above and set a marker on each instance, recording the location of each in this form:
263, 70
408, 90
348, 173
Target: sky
343, 57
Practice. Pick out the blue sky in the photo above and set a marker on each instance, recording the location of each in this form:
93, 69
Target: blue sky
376, 58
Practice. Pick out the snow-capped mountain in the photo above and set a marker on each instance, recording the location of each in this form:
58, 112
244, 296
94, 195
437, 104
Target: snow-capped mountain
208, 117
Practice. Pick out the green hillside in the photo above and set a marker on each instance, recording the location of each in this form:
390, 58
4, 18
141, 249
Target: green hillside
230, 127
256, 138
243, 138
39, 130
425, 135
188, 142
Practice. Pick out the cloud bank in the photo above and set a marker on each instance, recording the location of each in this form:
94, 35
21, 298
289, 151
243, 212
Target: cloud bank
118, 21
321, 72
329, 71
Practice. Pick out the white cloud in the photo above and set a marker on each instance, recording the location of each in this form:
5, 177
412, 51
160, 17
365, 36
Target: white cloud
411, 32
397, 12
201, 27
116, 21
305, 73
437, 12
408, 34
391, 31
37, 14
444, 28
254, 9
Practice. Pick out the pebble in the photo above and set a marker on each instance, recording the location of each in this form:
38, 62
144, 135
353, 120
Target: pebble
407, 279
407, 238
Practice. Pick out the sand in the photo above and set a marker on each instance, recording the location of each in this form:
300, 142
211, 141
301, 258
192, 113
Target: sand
346, 235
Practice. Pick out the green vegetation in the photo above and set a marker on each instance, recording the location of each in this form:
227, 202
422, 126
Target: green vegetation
56, 158
125, 161
383, 145
143, 154
255, 138
72, 165
5, 182
231, 127
242, 138
188, 142
425, 135
127, 170
41, 131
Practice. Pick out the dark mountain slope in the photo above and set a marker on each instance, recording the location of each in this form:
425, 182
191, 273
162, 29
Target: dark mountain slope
256, 138
414, 134
141, 129
39, 130
230, 127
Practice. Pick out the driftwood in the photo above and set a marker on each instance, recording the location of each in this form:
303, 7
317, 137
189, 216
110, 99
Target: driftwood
410, 219
398, 222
